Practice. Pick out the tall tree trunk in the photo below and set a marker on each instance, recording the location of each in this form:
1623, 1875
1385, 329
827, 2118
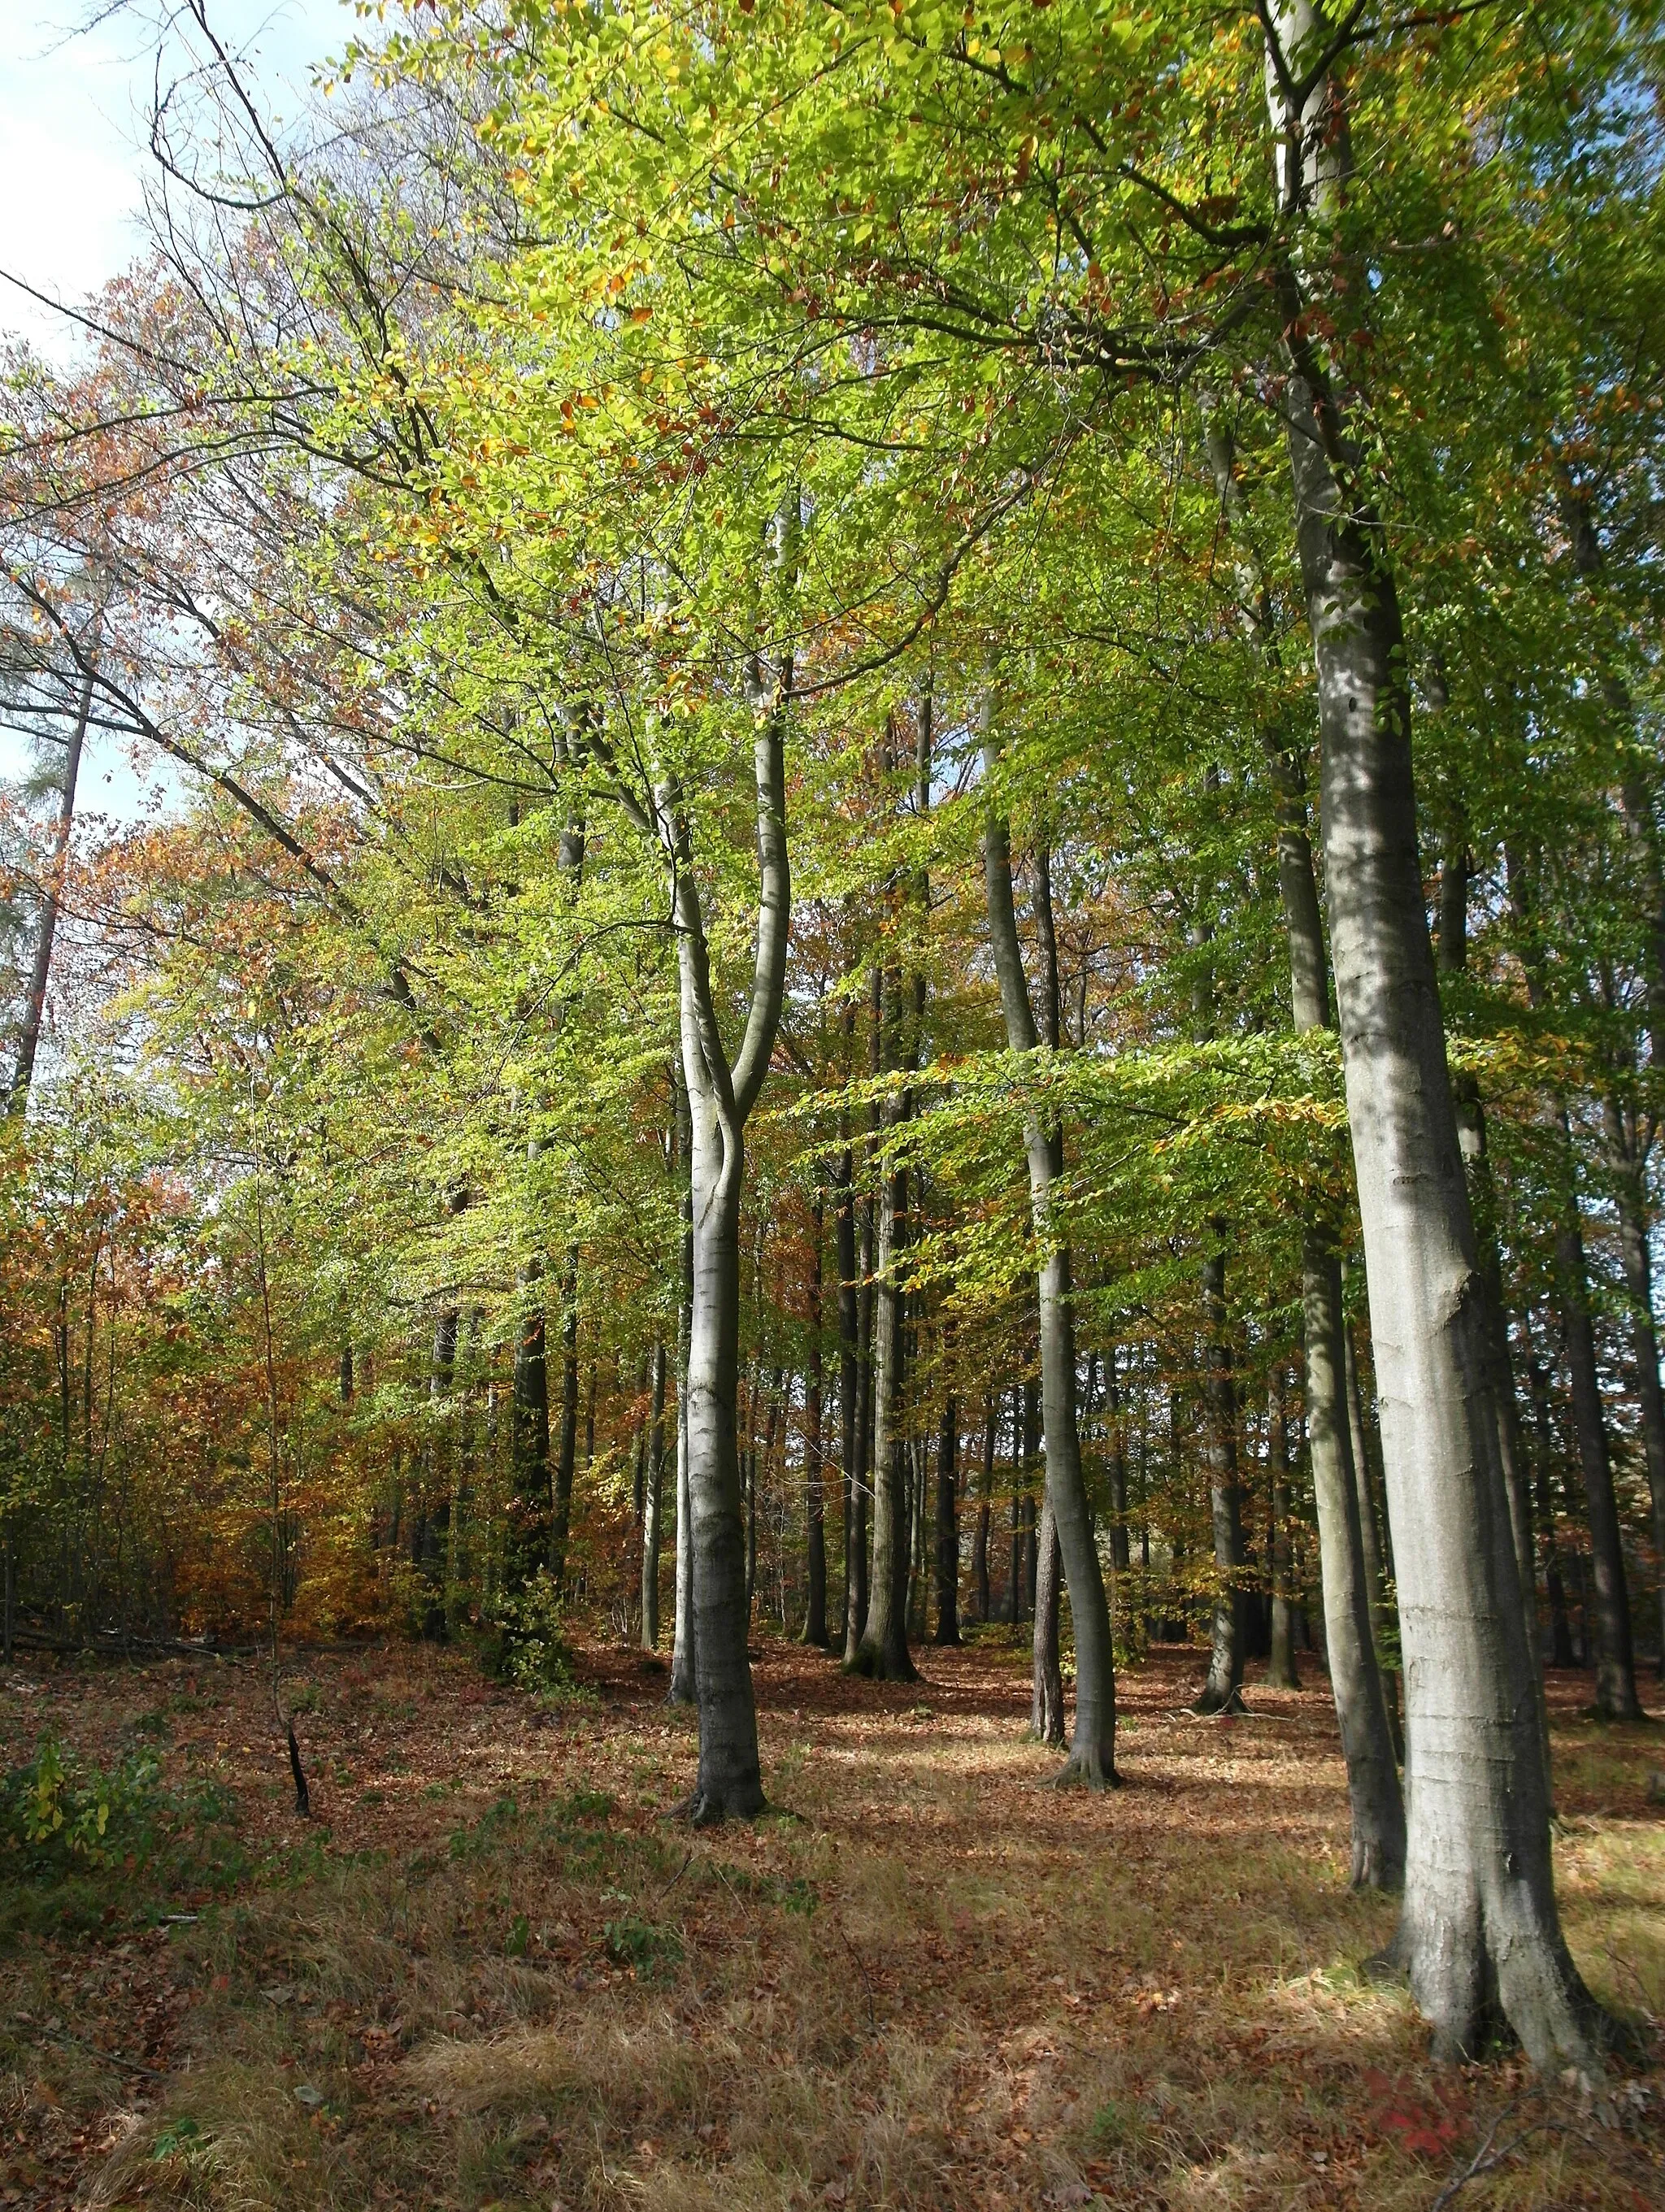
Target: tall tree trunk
1281, 1674
683, 1687
567, 1458
1347, 1583
948, 1525
34, 1006
721, 1094
1561, 1651
1046, 1698
849, 1407
815, 1477
532, 1499
1616, 1696
985, 1505
654, 1491
883, 1651
1119, 1553
1223, 1691
1479, 1931
1644, 1341
1093, 1750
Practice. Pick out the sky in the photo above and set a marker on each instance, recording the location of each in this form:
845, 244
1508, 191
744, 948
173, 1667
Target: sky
73, 154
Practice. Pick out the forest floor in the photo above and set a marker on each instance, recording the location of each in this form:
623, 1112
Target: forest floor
490, 1974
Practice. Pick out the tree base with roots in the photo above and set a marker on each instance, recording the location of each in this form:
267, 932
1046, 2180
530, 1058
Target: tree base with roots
709, 1808
1080, 1772
1214, 1704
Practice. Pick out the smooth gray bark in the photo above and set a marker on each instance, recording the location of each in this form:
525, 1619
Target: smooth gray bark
722, 1095
1347, 1574
1479, 1932
1223, 1691
1092, 1750
653, 1492
948, 1525
883, 1651
815, 1477
683, 1688
1281, 1672
34, 1004
1047, 1678
980, 1589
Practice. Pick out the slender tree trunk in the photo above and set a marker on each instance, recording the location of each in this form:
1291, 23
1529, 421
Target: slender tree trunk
815, 1479
985, 1504
1047, 1699
948, 1525
1644, 1346
1616, 1696
1479, 1932
684, 1687
883, 1651
849, 1408
1346, 1580
34, 1004
1281, 1672
1093, 1752
1223, 1691
1561, 1651
567, 1459
1120, 1554
650, 1519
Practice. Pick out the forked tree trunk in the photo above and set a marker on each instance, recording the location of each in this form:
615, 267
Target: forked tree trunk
1479, 1932
721, 1094
1047, 1677
1092, 1750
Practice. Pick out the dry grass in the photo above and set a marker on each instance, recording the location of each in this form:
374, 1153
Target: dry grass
924, 1980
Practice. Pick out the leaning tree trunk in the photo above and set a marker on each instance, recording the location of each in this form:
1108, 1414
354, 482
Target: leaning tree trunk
1479, 1932
1093, 1750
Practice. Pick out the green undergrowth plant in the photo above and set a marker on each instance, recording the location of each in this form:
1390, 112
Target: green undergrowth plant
79, 1840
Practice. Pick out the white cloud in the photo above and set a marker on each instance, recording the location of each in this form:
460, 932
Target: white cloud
73, 122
